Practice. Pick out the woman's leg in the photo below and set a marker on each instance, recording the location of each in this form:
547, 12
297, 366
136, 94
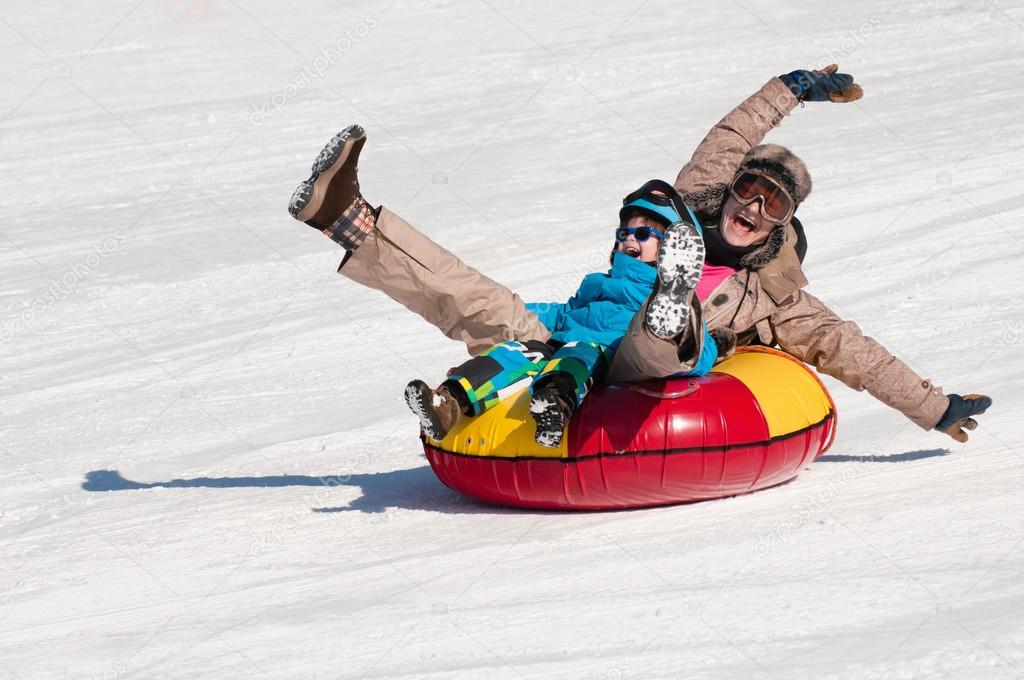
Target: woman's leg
667, 336
387, 254
462, 303
642, 355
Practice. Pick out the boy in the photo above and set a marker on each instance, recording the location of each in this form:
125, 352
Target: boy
656, 249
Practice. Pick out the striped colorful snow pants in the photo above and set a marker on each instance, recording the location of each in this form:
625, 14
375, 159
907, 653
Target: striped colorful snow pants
482, 377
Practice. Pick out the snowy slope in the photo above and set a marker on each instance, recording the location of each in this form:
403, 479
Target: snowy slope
181, 370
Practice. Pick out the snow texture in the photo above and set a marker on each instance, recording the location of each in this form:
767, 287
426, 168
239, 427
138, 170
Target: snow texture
209, 470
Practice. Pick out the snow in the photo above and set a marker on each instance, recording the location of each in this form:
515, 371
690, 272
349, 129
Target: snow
209, 472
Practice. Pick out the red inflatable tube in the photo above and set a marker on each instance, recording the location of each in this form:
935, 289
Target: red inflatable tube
734, 431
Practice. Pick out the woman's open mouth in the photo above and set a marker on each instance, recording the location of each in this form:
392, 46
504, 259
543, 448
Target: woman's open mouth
744, 223
632, 251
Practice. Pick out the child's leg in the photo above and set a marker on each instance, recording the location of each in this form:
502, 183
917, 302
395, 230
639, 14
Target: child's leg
558, 390
462, 303
476, 383
573, 369
646, 356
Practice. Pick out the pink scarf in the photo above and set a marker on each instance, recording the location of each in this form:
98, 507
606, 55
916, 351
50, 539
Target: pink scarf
710, 278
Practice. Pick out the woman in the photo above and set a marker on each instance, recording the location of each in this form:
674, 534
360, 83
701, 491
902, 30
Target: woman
750, 291
745, 195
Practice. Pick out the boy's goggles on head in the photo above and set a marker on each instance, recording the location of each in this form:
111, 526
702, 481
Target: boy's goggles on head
640, 233
653, 198
776, 203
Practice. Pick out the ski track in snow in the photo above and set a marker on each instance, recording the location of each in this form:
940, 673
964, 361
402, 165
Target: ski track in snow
208, 470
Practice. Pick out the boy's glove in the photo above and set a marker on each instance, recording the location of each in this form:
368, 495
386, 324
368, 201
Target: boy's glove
958, 416
822, 86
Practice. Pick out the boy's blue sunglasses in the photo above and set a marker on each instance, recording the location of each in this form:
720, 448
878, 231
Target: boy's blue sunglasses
641, 233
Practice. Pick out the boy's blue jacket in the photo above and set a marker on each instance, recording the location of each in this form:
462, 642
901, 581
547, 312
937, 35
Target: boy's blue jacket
603, 305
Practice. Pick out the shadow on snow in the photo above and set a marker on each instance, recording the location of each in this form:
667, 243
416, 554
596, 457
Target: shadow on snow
415, 488
895, 458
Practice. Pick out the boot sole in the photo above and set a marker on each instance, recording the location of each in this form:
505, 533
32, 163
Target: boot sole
680, 262
417, 398
549, 419
308, 197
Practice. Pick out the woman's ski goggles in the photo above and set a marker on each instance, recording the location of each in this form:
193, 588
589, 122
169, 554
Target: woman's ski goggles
640, 233
776, 203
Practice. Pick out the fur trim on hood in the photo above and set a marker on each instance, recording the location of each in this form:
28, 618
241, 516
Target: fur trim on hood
707, 201
781, 164
768, 250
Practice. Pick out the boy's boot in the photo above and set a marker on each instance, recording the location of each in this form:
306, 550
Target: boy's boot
680, 263
551, 406
329, 200
438, 410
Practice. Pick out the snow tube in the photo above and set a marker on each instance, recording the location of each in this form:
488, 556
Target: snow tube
751, 423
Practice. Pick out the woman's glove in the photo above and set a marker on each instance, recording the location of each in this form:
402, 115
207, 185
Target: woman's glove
958, 416
822, 86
